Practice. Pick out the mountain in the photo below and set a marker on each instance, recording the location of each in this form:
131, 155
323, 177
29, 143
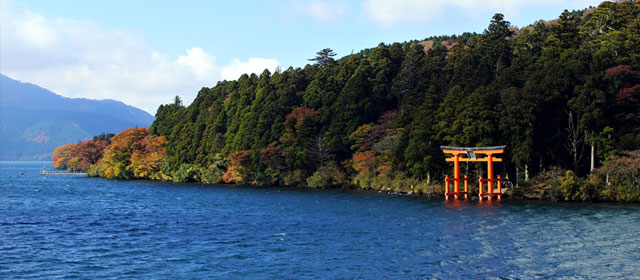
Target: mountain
34, 120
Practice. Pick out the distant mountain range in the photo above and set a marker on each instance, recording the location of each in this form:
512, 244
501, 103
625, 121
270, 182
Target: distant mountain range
34, 120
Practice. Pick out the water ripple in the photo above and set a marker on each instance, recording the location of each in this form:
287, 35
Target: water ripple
92, 228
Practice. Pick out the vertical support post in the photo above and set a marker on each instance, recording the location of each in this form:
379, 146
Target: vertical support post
480, 187
466, 187
446, 187
456, 172
490, 174
499, 187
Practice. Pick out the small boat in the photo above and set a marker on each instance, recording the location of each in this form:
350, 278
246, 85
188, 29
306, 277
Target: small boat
22, 173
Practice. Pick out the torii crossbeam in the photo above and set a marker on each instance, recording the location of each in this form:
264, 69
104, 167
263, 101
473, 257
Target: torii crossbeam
470, 153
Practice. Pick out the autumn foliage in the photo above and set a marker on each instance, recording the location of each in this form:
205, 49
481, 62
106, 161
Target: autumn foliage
622, 175
365, 162
61, 155
78, 157
299, 114
626, 82
147, 161
132, 153
237, 167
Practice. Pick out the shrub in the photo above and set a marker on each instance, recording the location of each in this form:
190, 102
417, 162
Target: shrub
294, 178
549, 177
568, 187
211, 175
621, 174
327, 176
545, 185
94, 171
589, 188
184, 174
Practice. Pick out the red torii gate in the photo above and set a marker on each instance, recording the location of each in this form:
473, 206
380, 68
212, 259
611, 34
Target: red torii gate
471, 152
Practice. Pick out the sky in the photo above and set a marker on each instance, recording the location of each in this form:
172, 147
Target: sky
145, 52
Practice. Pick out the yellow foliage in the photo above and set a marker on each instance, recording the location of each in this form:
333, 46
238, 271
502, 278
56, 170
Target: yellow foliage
61, 155
134, 153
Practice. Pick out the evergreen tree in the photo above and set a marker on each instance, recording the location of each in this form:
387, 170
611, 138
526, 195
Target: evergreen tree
324, 57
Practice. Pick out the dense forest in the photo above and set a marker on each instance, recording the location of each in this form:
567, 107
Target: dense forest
563, 95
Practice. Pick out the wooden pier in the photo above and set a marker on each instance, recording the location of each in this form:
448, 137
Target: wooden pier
68, 173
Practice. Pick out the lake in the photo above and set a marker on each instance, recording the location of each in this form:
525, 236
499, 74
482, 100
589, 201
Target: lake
76, 227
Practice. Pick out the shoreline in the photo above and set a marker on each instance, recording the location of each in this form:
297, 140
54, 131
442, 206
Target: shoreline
506, 196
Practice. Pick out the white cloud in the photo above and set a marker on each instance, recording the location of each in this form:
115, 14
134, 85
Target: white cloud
84, 59
201, 63
390, 12
322, 10
387, 13
254, 65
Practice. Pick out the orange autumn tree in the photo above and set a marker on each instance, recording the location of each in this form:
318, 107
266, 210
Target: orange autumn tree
371, 163
365, 162
61, 155
375, 144
147, 161
237, 168
133, 154
85, 154
113, 164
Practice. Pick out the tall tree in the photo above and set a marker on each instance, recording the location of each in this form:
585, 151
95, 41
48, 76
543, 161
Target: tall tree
324, 57
565, 31
494, 48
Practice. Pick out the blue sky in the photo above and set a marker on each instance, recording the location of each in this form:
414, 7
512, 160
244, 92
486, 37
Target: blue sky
145, 52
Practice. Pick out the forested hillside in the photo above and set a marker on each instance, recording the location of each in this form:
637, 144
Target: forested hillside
551, 92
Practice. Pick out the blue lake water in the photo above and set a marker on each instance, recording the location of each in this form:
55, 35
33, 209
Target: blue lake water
76, 227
